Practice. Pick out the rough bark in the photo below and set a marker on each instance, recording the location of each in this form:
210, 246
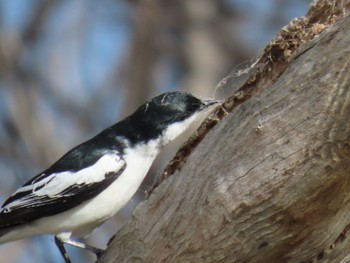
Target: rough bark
270, 181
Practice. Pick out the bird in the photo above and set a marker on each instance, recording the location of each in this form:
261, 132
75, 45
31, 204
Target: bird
94, 180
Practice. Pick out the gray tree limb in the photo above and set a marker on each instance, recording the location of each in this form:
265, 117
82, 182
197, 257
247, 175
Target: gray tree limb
270, 181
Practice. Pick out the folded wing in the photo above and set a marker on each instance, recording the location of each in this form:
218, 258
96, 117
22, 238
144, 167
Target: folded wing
55, 191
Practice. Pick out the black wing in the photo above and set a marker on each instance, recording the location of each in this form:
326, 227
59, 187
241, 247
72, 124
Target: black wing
57, 190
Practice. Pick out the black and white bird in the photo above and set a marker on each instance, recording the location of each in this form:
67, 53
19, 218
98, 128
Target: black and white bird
94, 180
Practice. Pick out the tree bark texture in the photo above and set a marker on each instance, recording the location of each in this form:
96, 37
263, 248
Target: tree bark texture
270, 182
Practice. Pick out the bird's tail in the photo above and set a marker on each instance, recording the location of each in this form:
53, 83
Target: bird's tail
3, 232
9, 230
4, 229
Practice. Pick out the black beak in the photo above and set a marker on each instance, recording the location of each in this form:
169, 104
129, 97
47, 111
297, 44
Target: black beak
207, 103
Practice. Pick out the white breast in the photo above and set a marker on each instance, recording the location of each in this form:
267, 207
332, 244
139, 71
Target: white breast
85, 217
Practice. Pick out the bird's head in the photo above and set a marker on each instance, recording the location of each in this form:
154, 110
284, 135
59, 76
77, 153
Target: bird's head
168, 115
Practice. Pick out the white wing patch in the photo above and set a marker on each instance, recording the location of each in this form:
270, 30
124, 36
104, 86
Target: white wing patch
56, 183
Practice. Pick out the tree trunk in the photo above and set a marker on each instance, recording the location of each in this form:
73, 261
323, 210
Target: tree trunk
270, 181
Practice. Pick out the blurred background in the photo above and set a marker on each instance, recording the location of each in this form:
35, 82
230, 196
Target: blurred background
69, 69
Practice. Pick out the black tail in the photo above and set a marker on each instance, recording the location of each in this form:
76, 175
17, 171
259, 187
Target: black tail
4, 229
3, 232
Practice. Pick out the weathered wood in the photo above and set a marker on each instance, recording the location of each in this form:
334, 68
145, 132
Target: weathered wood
269, 183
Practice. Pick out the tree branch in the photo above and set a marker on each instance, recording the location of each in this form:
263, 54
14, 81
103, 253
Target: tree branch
269, 182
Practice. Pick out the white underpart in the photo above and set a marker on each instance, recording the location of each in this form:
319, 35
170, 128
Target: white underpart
82, 219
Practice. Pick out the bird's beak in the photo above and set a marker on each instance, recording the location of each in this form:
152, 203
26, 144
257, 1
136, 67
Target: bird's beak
208, 102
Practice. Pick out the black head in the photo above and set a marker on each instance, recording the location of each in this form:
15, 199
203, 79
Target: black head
152, 118
171, 107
